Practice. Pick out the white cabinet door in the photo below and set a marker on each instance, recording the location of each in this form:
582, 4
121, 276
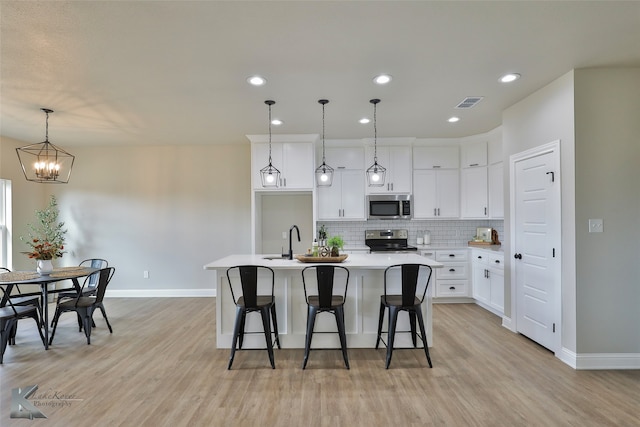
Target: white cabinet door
496, 191
436, 158
481, 286
474, 192
436, 194
397, 161
474, 154
496, 285
345, 198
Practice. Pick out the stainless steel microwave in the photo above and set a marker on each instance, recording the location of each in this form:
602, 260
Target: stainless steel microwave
389, 206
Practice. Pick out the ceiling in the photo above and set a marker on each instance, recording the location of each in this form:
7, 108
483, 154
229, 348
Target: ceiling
174, 72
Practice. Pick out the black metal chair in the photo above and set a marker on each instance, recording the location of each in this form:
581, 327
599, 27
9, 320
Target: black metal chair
414, 280
325, 301
21, 299
9, 316
84, 306
246, 278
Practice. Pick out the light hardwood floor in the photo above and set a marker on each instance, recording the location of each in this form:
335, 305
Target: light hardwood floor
161, 368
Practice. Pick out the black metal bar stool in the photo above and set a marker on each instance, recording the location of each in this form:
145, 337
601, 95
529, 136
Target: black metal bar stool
325, 301
250, 301
414, 279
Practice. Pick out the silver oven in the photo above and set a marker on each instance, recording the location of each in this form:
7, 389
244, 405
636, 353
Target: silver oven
389, 206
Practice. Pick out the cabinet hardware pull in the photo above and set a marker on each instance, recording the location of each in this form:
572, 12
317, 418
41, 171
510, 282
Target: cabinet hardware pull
473, 164
485, 211
436, 166
452, 288
479, 256
438, 211
452, 269
452, 255
434, 212
497, 261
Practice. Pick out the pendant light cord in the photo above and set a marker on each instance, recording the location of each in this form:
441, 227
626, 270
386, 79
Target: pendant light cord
269, 104
323, 159
375, 134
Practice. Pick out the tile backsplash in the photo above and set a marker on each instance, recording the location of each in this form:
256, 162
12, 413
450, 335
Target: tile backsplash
443, 232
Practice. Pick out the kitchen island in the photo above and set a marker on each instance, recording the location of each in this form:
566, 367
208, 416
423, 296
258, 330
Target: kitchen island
361, 307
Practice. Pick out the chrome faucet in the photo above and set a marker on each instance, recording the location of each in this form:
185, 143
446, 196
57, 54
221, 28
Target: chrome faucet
291, 247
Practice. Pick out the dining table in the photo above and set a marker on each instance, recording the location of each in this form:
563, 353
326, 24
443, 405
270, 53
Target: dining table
12, 278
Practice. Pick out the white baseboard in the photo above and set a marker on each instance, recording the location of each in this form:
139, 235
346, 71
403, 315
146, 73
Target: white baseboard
599, 361
508, 323
160, 293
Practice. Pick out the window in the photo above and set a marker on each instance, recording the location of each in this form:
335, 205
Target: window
5, 224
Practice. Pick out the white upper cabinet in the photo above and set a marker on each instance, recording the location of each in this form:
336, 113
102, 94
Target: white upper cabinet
345, 198
474, 154
436, 193
294, 160
397, 161
496, 190
436, 157
494, 148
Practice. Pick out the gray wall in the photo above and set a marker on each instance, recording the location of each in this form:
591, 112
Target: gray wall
544, 116
167, 210
607, 154
595, 113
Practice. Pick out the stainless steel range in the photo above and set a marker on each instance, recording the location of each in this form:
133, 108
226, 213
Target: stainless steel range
390, 241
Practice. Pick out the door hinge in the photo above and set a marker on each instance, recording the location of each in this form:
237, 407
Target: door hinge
554, 328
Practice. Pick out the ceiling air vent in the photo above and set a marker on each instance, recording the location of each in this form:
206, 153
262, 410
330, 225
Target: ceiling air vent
469, 101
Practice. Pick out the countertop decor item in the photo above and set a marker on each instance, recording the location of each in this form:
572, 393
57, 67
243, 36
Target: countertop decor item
44, 162
324, 172
269, 174
304, 258
336, 243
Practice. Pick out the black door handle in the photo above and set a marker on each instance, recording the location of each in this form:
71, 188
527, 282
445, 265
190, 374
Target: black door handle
518, 256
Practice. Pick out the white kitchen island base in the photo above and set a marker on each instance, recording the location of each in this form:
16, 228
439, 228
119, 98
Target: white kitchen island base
361, 307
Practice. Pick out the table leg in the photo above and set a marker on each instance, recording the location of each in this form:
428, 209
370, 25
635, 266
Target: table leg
45, 314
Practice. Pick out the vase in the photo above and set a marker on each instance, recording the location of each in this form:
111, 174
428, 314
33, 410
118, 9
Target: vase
45, 267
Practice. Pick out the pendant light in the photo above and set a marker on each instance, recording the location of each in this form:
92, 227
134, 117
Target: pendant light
44, 162
324, 172
375, 173
269, 174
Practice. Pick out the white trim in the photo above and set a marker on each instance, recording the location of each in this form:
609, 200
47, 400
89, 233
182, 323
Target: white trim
599, 361
508, 323
160, 293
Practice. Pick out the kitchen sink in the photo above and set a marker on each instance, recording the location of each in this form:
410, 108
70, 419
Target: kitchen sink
275, 257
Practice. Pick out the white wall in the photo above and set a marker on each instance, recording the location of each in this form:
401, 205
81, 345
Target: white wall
607, 153
544, 116
167, 210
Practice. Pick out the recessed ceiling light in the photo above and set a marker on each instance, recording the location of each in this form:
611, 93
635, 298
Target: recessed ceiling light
256, 80
276, 122
364, 120
453, 119
508, 78
382, 79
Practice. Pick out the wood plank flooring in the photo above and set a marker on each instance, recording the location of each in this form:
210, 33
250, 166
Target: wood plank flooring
160, 367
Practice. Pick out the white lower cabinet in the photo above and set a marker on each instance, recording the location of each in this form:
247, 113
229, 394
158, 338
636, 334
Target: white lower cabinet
452, 280
488, 279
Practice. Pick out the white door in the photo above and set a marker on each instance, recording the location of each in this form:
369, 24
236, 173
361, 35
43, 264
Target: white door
536, 219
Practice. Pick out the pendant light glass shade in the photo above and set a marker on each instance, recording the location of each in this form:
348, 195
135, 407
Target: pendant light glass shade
375, 173
324, 172
44, 162
269, 174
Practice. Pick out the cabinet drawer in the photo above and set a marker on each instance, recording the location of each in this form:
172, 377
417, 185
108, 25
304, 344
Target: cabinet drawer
496, 260
453, 255
452, 270
452, 288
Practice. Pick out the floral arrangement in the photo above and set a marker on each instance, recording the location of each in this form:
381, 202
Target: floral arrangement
47, 239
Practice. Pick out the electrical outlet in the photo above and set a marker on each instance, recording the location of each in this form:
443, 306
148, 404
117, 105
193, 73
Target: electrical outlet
596, 226
284, 235
145, 274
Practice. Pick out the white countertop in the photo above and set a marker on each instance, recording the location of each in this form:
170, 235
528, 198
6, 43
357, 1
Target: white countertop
377, 261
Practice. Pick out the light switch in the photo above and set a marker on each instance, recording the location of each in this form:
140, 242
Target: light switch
595, 226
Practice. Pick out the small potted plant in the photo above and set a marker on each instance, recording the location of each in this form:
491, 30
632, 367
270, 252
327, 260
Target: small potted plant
46, 240
335, 243
322, 236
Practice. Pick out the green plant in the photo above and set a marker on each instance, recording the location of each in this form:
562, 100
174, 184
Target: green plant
47, 238
322, 233
335, 242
